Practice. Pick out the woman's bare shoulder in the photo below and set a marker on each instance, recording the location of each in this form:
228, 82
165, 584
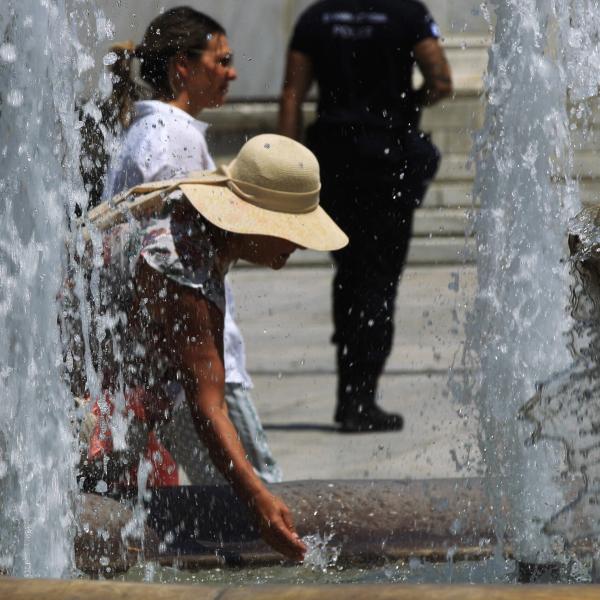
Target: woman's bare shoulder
184, 313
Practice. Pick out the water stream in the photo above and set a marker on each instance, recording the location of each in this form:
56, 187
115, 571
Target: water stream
42, 67
543, 60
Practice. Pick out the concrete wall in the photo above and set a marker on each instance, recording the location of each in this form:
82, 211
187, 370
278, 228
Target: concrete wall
259, 31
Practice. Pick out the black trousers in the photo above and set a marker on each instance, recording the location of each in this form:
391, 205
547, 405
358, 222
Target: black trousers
373, 202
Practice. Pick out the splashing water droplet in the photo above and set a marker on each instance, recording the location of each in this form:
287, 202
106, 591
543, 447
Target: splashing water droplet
110, 59
320, 555
101, 487
85, 62
14, 98
8, 53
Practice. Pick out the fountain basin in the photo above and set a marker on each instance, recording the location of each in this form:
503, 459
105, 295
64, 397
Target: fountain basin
368, 522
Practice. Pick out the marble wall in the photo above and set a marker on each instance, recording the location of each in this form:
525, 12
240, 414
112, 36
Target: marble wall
259, 31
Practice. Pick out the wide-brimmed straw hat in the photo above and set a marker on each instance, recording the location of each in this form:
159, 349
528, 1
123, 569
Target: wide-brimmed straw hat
271, 188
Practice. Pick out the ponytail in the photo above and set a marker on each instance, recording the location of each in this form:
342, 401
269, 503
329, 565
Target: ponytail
119, 107
98, 130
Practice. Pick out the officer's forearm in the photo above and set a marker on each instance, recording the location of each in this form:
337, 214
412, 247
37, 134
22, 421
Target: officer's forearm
290, 115
433, 64
434, 91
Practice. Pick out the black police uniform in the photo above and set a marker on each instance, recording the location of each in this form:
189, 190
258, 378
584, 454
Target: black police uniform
375, 169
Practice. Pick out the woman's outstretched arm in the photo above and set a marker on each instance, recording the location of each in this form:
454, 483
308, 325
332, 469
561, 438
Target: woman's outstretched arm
193, 329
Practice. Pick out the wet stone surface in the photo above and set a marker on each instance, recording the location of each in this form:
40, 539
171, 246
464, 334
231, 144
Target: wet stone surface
347, 522
101, 546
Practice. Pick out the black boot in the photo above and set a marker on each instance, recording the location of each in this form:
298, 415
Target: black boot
371, 418
356, 410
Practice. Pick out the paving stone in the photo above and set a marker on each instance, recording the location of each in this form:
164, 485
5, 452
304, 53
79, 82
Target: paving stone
285, 319
424, 251
449, 194
440, 222
436, 441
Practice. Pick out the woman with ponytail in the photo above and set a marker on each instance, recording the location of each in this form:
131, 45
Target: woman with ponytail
185, 63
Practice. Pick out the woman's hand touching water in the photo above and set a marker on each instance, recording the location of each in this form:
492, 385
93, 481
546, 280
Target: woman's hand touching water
276, 526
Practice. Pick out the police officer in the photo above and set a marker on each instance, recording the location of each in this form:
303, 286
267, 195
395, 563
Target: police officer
375, 167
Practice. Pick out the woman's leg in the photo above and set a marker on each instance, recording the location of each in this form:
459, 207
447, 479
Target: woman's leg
244, 416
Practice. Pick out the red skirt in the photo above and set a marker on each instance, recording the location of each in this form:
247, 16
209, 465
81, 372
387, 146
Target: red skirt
163, 471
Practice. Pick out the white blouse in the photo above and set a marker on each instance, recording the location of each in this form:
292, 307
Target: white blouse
164, 142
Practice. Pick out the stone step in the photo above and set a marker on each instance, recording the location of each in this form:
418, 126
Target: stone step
262, 116
439, 237
452, 250
449, 194
455, 168
440, 222
451, 123
441, 251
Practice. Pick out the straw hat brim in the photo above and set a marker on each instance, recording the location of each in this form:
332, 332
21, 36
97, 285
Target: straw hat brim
314, 230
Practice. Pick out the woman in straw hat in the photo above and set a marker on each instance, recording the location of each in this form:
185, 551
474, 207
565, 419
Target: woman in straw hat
162, 285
